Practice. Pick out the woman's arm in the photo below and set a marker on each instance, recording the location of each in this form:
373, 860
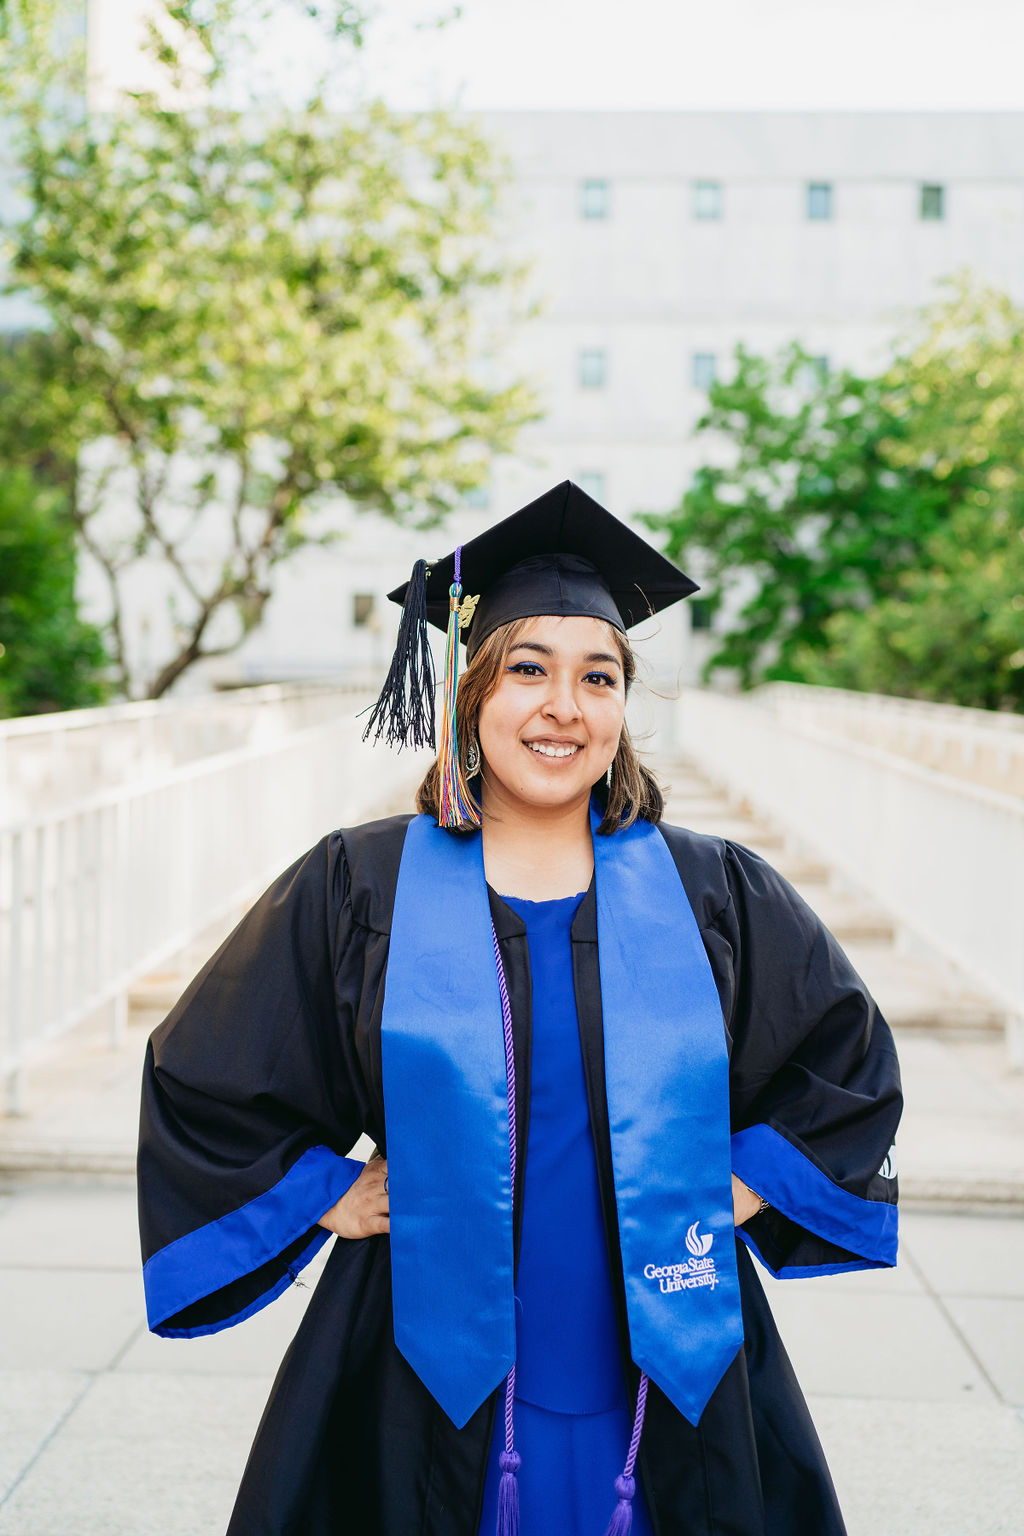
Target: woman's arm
251, 1099
815, 1084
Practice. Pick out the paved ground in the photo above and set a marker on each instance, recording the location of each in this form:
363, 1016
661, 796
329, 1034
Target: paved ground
915, 1378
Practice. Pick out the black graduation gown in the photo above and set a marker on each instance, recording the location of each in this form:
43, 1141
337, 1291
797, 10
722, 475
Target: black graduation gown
274, 1051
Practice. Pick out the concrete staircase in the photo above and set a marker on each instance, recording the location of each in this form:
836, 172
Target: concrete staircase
961, 1145
919, 989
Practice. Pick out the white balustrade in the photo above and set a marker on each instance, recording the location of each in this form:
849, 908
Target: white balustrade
945, 856
983, 746
99, 894
53, 761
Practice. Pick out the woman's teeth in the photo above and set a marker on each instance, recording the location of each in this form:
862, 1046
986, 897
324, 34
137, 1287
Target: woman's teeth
546, 751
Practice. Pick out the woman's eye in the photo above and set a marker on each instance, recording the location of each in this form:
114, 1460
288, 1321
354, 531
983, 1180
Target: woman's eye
527, 669
601, 678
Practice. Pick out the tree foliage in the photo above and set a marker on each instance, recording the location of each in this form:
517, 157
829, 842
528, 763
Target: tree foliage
953, 629
248, 313
807, 517
49, 658
868, 532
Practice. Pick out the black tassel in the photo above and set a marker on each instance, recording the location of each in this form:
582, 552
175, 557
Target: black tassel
404, 713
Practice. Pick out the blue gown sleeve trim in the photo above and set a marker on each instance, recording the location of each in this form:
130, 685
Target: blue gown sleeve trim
772, 1166
213, 1256
268, 1296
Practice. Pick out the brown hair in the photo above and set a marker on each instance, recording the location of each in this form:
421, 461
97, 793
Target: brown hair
634, 791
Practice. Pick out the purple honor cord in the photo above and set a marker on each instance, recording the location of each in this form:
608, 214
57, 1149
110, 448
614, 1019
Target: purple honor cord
508, 1489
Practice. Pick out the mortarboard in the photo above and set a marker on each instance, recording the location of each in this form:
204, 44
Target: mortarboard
561, 554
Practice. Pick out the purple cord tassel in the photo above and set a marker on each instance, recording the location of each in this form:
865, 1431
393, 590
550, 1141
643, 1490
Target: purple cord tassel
621, 1522
508, 1488
508, 1495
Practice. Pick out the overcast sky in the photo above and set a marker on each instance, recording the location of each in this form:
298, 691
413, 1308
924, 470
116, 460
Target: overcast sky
797, 54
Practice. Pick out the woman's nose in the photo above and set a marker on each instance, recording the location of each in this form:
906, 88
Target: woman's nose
561, 702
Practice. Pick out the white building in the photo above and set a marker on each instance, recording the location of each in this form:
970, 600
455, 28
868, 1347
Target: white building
659, 240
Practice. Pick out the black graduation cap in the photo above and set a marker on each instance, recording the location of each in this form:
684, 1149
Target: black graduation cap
523, 566
561, 554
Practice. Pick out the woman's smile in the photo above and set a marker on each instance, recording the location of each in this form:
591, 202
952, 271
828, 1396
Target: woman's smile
554, 750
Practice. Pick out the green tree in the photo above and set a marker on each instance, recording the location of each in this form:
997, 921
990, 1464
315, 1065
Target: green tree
952, 628
807, 519
49, 658
247, 313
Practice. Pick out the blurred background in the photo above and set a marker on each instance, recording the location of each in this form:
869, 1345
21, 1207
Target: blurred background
293, 294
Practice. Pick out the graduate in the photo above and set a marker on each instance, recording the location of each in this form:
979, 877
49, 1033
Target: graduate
604, 1061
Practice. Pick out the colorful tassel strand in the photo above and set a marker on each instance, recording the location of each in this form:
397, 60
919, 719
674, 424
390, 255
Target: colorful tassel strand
458, 808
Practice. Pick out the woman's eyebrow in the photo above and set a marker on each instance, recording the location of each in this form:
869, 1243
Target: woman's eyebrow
545, 650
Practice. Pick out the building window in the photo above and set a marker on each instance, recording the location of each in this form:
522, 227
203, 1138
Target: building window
932, 201
592, 481
364, 606
704, 368
815, 372
819, 200
592, 369
478, 499
594, 199
702, 611
707, 199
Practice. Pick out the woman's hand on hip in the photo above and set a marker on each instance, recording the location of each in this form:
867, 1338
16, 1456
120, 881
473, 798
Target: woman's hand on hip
744, 1202
363, 1209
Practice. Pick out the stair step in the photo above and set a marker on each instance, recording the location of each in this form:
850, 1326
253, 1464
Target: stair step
800, 869
752, 834
680, 808
913, 993
849, 917
152, 998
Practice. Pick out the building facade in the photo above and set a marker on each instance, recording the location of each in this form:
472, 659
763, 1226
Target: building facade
657, 241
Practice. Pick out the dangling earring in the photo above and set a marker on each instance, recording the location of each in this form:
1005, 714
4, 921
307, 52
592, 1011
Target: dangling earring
473, 756
608, 777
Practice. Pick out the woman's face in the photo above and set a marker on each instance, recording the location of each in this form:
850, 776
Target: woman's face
551, 727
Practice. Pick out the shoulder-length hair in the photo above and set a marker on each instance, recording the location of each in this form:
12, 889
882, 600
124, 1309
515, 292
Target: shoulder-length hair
634, 794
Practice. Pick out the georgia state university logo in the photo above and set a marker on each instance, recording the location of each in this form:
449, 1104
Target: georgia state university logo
696, 1272
698, 1245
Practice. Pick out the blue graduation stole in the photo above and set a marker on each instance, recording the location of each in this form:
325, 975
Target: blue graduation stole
446, 1115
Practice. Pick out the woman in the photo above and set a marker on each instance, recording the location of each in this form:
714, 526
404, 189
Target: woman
533, 963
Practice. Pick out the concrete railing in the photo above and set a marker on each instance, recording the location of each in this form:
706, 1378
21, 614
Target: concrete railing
99, 894
946, 857
52, 761
982, 746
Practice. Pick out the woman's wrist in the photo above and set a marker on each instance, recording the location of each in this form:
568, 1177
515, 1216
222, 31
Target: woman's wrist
747, 1202
764, 1205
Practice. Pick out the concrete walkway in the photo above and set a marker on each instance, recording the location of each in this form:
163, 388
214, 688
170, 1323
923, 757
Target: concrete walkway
915, 1376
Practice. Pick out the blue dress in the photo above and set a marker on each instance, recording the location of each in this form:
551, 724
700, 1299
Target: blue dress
572, 1414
